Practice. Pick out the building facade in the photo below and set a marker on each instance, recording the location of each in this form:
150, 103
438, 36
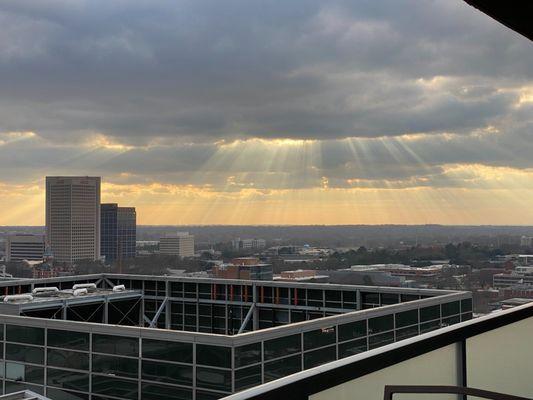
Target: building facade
109, 232
127, 231
24, 247
181, 244
248, 244
118, 232
212, 342
73, 217
501, 281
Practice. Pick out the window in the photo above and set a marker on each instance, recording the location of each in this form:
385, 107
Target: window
429, 313
352, 330
282, 346
119, 366
15, 352
24, 373
169, 373
204, 291
125, 346
297, 316
315, 298
216, 356
25, 334
68, 339
466, 316
320, 356
348, 349
280, 368
451, 320
429, 326
247, 377
206, 395
110, 386
451, 308
189, 290
408, 297
466, 305
319, 338
176, 289
59, 394
248, 354
333, 298
407, 318
167, 351
349, 300
380, 324
281, 317
160, 392
68, 359
389, 298
380, 340
210, 378
370, 299
17, 387
405, 333
67, 379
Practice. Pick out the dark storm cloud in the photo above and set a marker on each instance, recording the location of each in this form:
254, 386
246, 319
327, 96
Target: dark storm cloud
176, 82
204, 70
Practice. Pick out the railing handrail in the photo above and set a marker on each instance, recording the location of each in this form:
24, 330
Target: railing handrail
391, 390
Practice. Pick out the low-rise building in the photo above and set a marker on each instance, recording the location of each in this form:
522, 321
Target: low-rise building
248, 244
500, 281
301, 275
243, 268
180, 244
24, 246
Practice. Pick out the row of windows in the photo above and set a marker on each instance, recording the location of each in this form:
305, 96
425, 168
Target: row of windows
265, 294
115, 388
206, 378
130, 346
111, 387
217, 356
171, 362
380, 329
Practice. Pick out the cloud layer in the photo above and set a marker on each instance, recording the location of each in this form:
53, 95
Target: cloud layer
214, 99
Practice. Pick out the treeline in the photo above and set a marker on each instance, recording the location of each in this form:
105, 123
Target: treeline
461, 253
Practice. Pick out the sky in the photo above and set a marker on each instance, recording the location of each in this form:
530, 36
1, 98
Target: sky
268, 112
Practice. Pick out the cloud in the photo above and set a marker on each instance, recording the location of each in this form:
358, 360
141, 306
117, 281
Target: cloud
201, 71
219, 101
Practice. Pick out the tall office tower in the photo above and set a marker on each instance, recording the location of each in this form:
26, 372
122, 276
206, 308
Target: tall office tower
109, 231
127, 231
181, 244
73, 217
24, 246
119, 232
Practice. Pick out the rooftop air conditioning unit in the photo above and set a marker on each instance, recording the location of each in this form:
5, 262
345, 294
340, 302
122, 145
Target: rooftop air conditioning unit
80, 292
119, 288
91, 287
45, 291
14, 298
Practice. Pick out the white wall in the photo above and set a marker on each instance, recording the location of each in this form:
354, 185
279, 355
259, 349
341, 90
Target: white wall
438, 367
501, 360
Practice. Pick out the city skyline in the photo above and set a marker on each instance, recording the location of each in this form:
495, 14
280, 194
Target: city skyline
401, 112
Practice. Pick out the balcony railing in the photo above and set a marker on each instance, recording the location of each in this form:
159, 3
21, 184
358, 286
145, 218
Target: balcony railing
391, 390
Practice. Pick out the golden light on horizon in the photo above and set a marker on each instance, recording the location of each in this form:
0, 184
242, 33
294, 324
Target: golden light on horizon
285, 181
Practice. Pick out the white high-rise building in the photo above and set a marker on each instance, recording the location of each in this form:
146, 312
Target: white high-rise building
181, 244
73, 217
24, 246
